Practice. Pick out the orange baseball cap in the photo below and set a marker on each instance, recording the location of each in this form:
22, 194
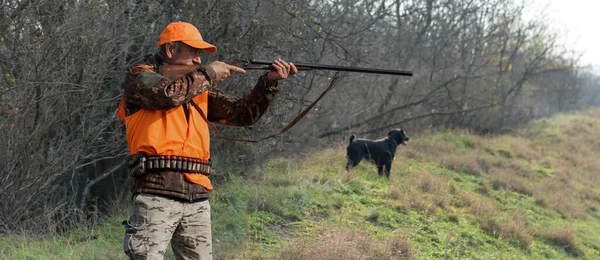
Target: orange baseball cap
187, 33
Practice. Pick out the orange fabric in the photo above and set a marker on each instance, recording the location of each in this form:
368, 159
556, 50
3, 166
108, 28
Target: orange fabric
121, 109
187, 33
167, 132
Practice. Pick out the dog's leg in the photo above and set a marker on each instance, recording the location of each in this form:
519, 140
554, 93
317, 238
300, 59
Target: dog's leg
388, 169
349, 165
380, 169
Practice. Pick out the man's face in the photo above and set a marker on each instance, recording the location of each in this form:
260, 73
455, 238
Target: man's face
186, 55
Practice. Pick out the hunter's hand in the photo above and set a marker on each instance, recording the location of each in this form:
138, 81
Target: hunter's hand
223, 70
281, 70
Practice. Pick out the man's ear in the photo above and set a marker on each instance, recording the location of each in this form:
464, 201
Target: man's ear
169, 50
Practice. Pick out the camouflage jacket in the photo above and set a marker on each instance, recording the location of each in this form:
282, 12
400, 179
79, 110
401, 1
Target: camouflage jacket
146, 88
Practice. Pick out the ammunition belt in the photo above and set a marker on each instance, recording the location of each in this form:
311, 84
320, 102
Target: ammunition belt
173, 163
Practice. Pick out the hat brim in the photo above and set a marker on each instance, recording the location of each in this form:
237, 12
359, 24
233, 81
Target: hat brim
201, 45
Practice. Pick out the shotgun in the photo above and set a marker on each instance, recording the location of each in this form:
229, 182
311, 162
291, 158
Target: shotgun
254, 64
177, 71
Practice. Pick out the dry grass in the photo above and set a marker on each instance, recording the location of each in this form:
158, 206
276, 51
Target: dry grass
562, 236
509, 226
558, 192
477, 205
579, 127
518, 168
425, 192
333, 157
343, 244
232, 251
468, 164
526, 150
508, 180
434, 192
513, 147
426, 150
427, 183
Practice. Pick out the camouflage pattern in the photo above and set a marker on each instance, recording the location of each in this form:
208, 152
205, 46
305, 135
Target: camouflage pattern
156, 219
145, 88
229, 110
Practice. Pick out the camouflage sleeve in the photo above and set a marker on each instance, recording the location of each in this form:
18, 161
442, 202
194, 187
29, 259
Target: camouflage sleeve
145, 88
225, 109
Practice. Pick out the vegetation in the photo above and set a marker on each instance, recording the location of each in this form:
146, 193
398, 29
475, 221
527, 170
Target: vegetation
478, 65
531, 193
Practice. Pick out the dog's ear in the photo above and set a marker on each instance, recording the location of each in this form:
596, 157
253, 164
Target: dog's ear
395, 130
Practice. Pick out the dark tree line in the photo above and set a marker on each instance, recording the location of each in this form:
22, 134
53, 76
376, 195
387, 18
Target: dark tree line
477, 64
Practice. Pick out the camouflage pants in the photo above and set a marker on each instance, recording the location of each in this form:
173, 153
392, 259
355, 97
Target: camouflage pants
157, 220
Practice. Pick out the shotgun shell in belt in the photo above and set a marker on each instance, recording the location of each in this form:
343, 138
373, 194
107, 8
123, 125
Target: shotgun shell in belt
186, 164
179, 165
173, 162
162, 162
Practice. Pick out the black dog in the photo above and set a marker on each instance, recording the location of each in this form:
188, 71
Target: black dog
380, 152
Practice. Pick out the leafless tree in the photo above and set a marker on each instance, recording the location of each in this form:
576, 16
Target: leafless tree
477, 64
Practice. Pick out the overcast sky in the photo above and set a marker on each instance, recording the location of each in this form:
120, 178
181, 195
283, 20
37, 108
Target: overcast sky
577, 22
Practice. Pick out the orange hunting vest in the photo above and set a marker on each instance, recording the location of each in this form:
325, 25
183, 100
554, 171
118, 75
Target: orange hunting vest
167, 132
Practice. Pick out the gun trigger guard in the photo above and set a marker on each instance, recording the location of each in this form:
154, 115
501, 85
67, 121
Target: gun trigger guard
241, 62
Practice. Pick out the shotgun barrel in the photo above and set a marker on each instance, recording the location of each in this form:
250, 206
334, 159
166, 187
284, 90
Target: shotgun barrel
254, 64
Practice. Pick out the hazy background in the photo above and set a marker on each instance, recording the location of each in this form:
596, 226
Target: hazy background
576, 24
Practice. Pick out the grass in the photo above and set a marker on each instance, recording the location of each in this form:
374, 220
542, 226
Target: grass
531, 194
98, 243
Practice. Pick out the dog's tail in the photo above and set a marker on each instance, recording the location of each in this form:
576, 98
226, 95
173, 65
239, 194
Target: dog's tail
352, 139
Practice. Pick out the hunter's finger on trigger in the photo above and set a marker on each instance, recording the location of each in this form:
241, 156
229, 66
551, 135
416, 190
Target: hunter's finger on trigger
237, 69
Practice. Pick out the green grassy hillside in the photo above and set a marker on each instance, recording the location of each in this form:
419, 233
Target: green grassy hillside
533, 193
